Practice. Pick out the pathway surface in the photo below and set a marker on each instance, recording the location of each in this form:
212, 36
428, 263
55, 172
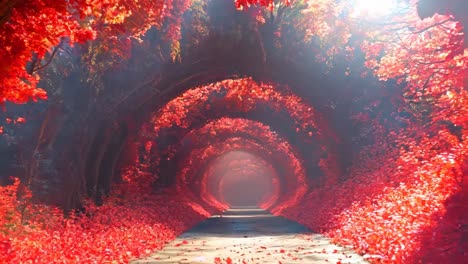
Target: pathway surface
251, 235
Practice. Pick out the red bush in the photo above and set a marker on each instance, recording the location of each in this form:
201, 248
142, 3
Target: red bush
124, 228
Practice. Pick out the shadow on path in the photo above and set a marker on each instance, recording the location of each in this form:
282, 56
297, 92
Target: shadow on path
251, 235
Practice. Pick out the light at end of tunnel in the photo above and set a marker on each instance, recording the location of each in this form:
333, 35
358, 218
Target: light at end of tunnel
241, 178
375, 9
246, 192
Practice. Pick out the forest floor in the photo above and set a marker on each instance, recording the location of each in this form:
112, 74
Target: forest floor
251, 235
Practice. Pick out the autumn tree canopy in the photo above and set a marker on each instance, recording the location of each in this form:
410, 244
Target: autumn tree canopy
357, 111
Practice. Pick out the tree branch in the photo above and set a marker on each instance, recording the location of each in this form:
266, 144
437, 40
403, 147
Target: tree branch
50, 58
431, 26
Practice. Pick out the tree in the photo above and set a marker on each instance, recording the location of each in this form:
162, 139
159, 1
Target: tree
457, 8
31, 33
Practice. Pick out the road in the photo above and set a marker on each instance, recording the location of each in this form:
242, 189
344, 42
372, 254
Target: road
251, 235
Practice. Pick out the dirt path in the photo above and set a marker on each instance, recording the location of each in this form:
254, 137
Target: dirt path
251, 235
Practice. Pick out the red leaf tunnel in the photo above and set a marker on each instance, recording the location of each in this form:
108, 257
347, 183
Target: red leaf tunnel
229, 143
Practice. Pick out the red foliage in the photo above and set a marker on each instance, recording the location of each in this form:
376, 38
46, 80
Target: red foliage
241, 4
36, 27
241, 95
397, 203
294, 188
224, 135
393, 197
245, 95
122, 229
404, 200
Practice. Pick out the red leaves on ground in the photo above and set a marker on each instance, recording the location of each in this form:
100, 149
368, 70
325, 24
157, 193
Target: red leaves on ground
122, 229
185, 242
218, 260
391, 200
404, 199
394, 205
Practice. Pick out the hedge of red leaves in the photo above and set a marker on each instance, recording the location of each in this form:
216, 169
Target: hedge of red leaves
243, 95
124, 228
272, 147
402, 204
295, 190
238, 95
